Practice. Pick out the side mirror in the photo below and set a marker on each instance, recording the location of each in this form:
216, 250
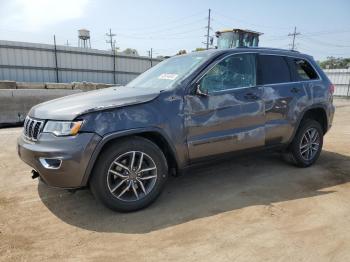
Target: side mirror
199, 92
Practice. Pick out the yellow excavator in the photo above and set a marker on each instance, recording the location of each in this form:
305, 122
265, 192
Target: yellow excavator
236, 37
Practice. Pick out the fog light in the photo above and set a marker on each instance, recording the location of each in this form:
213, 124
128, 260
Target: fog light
50, 163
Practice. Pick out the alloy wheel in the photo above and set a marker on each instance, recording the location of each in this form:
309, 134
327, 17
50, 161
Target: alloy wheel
132, 176
309, 144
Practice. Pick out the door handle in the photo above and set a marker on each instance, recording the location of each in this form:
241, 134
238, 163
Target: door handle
295, 90
251, 96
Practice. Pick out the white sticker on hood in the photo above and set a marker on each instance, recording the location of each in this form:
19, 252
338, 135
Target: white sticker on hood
168, 76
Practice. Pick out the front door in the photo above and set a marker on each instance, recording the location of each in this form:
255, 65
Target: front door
230, 116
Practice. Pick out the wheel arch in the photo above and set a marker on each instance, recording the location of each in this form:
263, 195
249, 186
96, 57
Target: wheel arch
319, 114
316, 112
155, 135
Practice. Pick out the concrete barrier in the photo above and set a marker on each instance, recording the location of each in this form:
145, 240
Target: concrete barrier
87, 86
58, 85
7, 84
100, 86
15, 104
30, 85
16, 99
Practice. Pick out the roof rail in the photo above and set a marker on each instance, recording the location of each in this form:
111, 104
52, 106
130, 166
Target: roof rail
270, 48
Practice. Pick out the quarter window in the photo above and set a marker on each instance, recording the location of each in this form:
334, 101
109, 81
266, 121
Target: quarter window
273, 69
303, 70
233, 72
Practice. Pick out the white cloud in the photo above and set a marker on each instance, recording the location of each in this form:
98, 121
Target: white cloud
35, 15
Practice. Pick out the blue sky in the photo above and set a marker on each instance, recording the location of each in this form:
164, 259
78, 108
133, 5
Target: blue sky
168, 26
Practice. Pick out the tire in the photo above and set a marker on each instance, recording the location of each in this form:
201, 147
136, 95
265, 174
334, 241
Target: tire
114, 183
296, 152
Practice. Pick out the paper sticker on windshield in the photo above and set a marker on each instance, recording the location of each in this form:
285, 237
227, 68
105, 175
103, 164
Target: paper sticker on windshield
168, 76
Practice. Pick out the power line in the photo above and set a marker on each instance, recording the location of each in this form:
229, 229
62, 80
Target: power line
247, 22
324, 43
312, 49
308, 34
178, 20
307, 43
327, 32
164, 36
169, 29
151, 38
294, 34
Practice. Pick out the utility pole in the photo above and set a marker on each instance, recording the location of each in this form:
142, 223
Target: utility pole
112, 42
150, 54
294, 34
67, 43
208, 30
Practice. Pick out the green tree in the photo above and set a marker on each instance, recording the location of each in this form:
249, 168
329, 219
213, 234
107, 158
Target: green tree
131, 51
182, 52
199, 49
335, 63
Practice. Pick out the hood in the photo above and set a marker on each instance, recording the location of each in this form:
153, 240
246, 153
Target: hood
69, 107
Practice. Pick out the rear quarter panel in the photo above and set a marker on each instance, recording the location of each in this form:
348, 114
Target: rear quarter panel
318, 96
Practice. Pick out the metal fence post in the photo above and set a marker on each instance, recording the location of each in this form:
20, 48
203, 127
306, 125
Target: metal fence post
114, 57
55, 51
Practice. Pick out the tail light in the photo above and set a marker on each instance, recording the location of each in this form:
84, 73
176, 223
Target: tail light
331, 88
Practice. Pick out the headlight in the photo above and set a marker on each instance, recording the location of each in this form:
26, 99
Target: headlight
63, 128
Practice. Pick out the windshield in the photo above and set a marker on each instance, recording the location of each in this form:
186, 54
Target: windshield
165, 74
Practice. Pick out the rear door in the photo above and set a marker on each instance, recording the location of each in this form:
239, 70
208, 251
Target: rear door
283, 97
304, 73
231, 116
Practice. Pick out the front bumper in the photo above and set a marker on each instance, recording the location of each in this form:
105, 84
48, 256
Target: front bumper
73, 152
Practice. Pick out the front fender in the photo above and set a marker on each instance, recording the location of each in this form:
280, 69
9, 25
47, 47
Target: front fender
120, 134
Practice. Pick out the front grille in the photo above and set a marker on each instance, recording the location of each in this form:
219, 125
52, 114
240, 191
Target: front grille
32, 128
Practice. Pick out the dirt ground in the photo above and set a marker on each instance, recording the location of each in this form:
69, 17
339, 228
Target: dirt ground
253, 208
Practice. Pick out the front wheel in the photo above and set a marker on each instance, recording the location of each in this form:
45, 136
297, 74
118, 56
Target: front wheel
307, 144
129, 175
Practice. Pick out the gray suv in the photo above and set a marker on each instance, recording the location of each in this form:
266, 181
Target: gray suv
123, 142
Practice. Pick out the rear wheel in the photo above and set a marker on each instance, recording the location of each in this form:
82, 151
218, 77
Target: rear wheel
129, 175
307, 144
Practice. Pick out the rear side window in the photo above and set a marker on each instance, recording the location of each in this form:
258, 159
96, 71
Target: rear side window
273, 69
302, 69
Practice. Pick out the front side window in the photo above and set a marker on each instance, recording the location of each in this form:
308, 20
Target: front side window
303, 70
273, 69
233, 72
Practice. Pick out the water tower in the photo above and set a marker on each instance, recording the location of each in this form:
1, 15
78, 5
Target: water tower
84, 38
